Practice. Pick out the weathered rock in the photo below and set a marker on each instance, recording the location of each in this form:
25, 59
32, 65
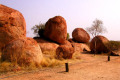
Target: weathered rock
80, 47
100, 44
47, 45
65, 50
12, 25
71, 40
115, 53
56, 29
80, 35
23, 51
67, 43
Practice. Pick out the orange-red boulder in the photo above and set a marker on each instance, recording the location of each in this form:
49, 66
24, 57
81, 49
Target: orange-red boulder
80, 47
56, 29
80, 35
47, 45
12, 25
23, 51
65, 51
100, 42
71, 40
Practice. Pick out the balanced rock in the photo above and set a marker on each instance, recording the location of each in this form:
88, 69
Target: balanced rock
23, 51
56, 29
12, 25
100, 42
65, 51
80, 35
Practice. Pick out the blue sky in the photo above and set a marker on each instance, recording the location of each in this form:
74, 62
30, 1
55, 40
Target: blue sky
78, 13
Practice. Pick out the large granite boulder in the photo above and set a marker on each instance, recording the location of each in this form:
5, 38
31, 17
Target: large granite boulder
23, 51
100, 42
12, 25
80, 35
56, 29
65, 51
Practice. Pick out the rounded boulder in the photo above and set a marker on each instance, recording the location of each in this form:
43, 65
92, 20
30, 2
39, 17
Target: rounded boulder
56, 29
12, 25
23, 51
80, 35
65, 51
99, 42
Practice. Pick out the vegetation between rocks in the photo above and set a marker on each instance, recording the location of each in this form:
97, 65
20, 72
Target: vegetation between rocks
113, 45
49, 60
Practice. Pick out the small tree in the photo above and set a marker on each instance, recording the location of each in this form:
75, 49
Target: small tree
96, 29
39, 29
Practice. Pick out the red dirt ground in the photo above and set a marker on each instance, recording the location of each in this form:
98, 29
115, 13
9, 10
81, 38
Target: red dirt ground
89, 68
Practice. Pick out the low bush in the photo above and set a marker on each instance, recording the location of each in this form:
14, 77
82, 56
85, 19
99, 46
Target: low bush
113, 45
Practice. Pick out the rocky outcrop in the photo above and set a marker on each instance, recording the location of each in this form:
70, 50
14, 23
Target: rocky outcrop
80, 35
80, 47
71, 40
47, 45
115, 53
56, 29
100, 42
23, 51
12, 25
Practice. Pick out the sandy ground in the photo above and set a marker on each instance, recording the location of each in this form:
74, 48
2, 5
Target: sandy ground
90, 68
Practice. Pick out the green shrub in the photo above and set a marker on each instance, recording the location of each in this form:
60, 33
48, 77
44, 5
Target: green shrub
68, 36
38, 29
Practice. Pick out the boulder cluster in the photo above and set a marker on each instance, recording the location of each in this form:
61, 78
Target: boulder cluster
56, 31
15, 46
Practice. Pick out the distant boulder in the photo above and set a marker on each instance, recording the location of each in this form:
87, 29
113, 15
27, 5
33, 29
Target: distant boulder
100, 44
80, 35
12, 25
23, 51
56, 29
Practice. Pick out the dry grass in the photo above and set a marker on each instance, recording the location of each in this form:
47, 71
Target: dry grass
76, 56
113, 45
49, 53
49, 60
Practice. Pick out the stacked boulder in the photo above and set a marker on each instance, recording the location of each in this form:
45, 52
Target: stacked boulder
12, 25
80, 38
80, 35
56, 30
13, 41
